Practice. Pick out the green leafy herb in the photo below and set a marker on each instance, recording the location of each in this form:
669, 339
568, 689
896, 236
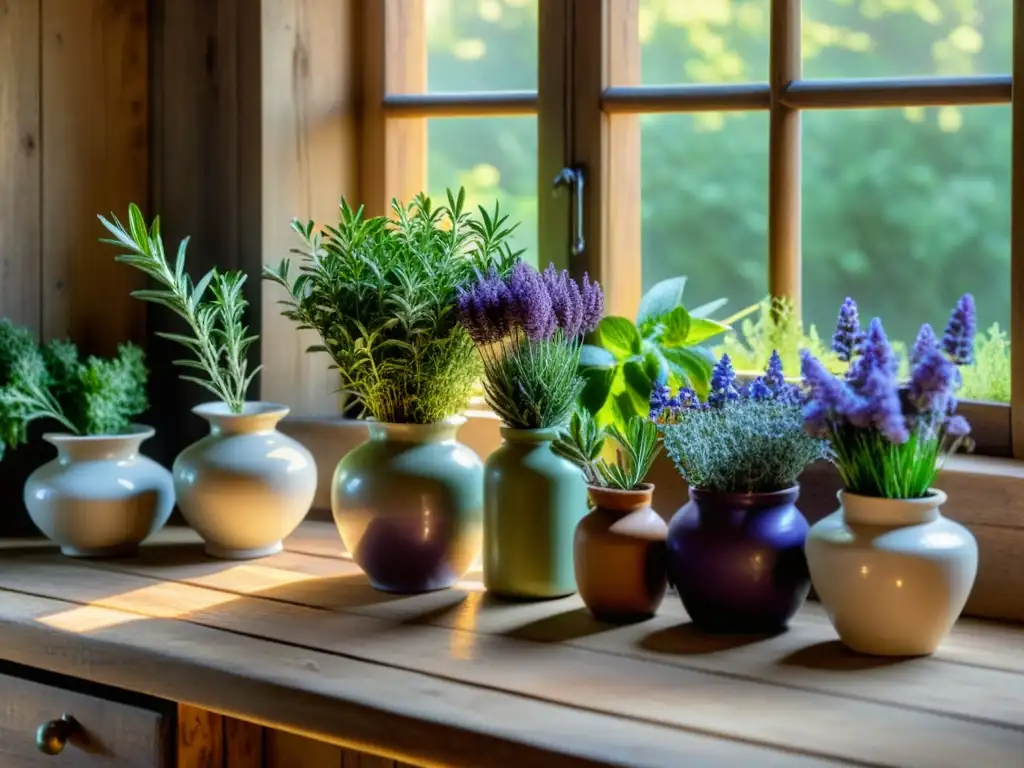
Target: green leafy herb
381, 294
638, 446
533, 384
94, 397
220, 339
662, 347
988, 378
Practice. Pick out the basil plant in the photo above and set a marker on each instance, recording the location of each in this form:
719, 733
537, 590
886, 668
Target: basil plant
661, 347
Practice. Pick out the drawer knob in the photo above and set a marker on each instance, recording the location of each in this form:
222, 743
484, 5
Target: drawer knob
52, 736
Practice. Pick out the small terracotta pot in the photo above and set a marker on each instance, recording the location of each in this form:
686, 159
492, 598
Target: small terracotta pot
620, 555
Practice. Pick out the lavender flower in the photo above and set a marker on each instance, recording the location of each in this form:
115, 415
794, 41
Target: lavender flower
593, 305
659, 401
880, 407
566, 300
958, 427
757, 389
932, 383
830, 400
875, 355
723, 383
773, 375
483, 309
958, 340
530, 304
925, 342
848, 334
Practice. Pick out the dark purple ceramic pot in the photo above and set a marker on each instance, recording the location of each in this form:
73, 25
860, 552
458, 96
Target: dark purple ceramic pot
737, 559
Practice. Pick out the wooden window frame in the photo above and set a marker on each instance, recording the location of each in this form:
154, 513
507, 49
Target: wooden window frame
587, 103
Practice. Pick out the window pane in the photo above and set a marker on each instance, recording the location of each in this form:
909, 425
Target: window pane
481, 45
704, 205
493, 158
905, 210
703, 41
885, 38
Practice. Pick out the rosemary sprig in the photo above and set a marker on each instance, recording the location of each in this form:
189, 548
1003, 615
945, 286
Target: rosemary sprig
219, 340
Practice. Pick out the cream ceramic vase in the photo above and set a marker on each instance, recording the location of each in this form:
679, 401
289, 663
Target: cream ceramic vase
893, 574
245, 486
100, 497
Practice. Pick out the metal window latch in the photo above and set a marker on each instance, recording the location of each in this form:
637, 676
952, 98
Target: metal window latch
574, 178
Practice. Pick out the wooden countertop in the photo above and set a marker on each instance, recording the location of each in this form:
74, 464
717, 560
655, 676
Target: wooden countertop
300, 642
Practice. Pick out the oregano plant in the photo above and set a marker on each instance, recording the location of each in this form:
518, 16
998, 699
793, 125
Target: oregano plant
213, 308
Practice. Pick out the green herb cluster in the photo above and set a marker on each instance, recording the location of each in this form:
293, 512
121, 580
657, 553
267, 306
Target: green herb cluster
661, 347
988, 377
94, 396
220, 339
747, 446
637, 448
777, 327
533, 384
381, 294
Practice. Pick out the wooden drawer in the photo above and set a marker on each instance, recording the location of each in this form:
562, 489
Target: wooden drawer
109, 733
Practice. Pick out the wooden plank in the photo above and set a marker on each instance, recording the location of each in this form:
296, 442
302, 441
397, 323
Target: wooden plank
350, 759
950, 708
243, 744
555, 214
462, 104
200, 738
111, 734
96, 140
310, 143
287, 750
411, 717
1017, 241
20, 169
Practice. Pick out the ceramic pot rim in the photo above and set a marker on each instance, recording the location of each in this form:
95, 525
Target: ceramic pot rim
514, 435
220, 410
433, 432
140, 432
746, 499
876, 510
621, 500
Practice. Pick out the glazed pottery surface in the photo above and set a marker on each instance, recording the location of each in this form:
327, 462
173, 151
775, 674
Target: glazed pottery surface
737, 559
620, 555
100, 496
408, 504
533, 500
893, 574
245, 486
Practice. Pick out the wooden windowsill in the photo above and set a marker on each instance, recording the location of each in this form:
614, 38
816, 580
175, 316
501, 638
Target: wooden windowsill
300, 642
985, 493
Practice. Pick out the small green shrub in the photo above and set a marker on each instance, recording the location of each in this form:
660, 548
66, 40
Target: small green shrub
988, 379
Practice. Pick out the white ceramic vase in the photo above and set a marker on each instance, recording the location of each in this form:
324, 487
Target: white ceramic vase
100, 497
245, 486
893, 574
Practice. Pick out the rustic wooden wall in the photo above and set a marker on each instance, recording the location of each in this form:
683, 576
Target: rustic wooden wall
226, 117
73, 142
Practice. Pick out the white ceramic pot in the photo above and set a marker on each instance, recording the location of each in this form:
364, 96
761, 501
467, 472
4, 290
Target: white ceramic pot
245, 486
100, 497
893, 574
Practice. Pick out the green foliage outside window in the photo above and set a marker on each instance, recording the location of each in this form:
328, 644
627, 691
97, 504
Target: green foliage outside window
903, 209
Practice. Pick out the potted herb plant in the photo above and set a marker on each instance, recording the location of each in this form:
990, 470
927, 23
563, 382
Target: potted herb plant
620, 544
381, 293
100, 496
529, 328
245, 486
893, 573
735, 550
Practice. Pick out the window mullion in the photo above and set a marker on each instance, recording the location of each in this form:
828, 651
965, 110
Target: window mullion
393, 152
1017, 242
554, 208
784, 269
606, 53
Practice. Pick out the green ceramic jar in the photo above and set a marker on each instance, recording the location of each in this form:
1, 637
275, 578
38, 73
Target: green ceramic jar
533, 500
408, 504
